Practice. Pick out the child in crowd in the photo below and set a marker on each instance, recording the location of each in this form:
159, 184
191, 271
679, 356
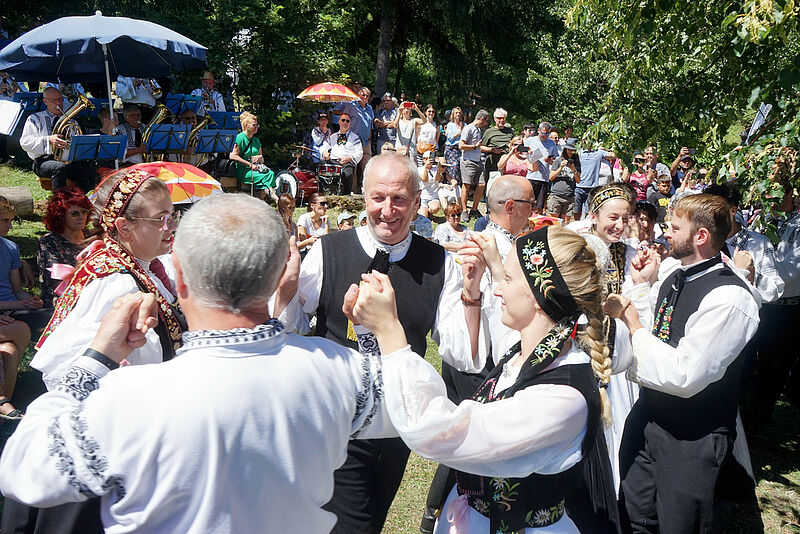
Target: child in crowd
660, 197
346, 221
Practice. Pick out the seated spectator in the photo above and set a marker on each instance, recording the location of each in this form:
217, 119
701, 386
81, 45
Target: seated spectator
660, 198
452, 233
13, 300
250, 168
515, 161
314, 223
67, 216
422, 226
344, 148
430, 175
362, 218
286, 206
14, 337
345, 221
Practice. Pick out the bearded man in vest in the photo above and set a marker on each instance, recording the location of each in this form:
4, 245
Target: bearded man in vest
689, 321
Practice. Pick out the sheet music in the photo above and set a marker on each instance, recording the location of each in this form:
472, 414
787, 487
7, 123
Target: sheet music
9, 116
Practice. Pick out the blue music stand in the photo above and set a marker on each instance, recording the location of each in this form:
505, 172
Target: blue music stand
225, 120
168, 138
214, 141
178, 103
94, 147
32, 101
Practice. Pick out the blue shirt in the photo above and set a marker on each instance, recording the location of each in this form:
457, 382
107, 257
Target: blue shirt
361, 118
9, 259
590, 168
452, 134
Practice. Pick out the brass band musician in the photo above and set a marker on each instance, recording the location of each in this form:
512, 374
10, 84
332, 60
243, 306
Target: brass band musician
134, 129
211, 98
39, 141
140, 91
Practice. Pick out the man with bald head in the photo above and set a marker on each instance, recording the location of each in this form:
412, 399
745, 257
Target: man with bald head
38, 142
425, 280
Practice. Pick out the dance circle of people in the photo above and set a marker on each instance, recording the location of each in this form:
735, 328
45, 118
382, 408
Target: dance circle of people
585, 386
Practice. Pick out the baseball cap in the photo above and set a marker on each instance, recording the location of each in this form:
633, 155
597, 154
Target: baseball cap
344, 216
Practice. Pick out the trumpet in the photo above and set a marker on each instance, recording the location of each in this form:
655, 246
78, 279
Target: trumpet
208, 101
151, 85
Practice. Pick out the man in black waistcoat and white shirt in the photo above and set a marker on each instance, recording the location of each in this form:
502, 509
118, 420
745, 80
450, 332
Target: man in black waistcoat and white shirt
428, 287
681, 429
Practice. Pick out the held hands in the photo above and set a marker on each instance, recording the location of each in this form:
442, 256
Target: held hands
123, 328
372, 304
744, 260
484, 247
644, 266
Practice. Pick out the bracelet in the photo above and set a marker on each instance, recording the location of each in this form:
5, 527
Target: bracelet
102, 358
470, 302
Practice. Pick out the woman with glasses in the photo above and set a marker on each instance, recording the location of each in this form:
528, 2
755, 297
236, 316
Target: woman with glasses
514, 162
406, 128
640, 179
135, 222
452, 233
427, 133
314, 223
247, 153
66, 219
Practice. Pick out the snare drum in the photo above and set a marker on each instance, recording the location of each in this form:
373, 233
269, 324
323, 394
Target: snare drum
329, 170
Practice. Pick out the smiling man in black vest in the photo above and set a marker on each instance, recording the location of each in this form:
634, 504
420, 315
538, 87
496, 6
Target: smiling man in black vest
681, 429
428, 288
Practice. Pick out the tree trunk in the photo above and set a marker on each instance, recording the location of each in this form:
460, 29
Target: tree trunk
384, 43
400, 47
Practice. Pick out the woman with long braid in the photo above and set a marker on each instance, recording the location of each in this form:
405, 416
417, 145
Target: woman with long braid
519, 446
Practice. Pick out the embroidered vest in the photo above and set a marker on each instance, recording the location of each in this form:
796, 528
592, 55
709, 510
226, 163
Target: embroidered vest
417, 280
713, 409
535, 501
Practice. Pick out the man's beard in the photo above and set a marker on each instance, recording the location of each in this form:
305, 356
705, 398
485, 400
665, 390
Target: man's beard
682, 249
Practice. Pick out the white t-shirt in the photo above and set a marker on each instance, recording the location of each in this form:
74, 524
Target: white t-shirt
306, 222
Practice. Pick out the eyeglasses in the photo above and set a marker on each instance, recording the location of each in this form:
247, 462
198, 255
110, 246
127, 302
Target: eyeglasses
168, 222
323, 204
528, 202
78, 213
454, 216
344, 120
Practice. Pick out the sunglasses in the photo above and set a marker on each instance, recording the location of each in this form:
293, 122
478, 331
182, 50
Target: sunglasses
323, 204
344, 120
531, 203
168, 222
78, 213
454, 216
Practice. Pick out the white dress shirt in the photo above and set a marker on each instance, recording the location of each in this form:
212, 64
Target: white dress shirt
787, 255
214, 103
766, 280
703, 354
142, 94
38, 127
352, 148
126, 129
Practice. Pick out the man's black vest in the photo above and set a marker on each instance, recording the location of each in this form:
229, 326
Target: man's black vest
713, 409
417, 280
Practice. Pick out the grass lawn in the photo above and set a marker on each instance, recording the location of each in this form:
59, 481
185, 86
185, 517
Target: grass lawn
775, 449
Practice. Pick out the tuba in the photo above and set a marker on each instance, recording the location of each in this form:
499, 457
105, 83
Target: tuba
190, 157
66, 126
161, 114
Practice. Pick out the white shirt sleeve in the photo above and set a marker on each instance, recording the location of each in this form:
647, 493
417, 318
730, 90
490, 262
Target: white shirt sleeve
219, 101
539, 429
124, 88
702, 355
769, 283
305, 302
34, 137
75, 333
787, 257
356, 150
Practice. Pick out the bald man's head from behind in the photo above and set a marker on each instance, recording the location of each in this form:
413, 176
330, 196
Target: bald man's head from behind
511, 202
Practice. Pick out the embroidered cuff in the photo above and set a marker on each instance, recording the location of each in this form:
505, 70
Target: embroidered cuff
82, 378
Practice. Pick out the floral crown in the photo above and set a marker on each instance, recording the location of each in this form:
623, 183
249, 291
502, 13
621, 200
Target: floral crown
120, 196
605, 195
543, 276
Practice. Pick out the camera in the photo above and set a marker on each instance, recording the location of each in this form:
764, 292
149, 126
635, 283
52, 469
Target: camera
522, 149
408, 105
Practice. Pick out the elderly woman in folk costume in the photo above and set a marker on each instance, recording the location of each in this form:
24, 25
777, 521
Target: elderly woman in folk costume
519, 446
137, 222
136, 217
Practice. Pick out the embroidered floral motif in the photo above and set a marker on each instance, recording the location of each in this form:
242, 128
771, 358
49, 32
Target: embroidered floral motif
481, 506
504, 492
545, 517
371, 386
78, 382
615, 272
661, 326
537, 265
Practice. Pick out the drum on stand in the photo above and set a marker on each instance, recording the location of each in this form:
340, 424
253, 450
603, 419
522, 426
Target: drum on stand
330, 178
296, 182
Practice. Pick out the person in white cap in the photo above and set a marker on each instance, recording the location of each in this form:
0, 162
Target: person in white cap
345, 220
211, 98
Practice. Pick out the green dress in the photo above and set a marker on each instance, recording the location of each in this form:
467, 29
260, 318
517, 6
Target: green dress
249, 147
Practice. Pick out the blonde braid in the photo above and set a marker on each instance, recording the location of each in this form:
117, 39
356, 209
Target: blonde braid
594, 339
581, 272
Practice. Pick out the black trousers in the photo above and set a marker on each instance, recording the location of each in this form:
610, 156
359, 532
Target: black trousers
82, 173
70, 518
365, 485
778, 358
668, 483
